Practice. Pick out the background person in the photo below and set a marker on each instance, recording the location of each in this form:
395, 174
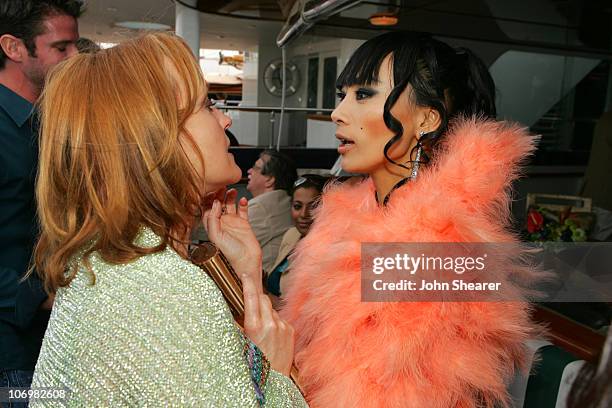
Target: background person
270, 181
86, 45
124, 169
35, 35
306, 192
592, 387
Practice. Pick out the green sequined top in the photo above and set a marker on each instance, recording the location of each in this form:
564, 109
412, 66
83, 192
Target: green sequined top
154, 332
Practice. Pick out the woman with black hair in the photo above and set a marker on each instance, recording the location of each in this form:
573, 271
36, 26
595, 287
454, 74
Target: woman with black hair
417, 116
306, 192
593, 385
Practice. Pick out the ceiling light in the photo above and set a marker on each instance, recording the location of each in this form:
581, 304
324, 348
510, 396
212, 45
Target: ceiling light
142, 25
383, 19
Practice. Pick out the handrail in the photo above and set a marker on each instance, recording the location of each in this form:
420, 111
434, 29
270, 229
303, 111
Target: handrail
306, 13
270, 109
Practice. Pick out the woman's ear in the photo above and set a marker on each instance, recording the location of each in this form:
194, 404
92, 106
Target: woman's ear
431, 120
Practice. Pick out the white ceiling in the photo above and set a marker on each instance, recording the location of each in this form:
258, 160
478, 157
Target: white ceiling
217, 32
468, 19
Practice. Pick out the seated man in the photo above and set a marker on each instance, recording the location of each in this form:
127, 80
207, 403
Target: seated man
270, 181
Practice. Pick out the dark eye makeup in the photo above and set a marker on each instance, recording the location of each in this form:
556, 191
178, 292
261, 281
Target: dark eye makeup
364, 93
360, 93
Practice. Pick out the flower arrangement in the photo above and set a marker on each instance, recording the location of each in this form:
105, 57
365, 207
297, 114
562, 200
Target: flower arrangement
544, 224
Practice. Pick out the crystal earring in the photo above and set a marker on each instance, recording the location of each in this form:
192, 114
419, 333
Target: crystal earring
417, 159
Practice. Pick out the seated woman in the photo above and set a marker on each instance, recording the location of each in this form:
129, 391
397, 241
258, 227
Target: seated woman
306, 192
406, 100
130, 150
592, 387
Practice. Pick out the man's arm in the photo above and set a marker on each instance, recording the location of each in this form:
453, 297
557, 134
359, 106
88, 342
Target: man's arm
29, 296
48, 303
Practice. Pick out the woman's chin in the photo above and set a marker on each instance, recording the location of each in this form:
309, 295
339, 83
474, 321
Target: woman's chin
351, 167
237, 175
232, 176
216, 185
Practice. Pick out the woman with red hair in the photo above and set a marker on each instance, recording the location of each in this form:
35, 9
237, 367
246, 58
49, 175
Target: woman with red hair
131, 150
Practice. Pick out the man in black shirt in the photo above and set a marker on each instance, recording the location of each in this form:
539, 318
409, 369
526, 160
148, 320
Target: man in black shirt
35, 35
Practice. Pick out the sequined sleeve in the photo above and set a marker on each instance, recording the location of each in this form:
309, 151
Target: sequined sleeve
278, 390
281, 392
154, 332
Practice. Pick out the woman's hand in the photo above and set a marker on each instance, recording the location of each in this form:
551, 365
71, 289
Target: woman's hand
231, 232
263, 325
229, 229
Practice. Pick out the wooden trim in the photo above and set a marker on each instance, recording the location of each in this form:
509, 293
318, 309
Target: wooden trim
230, 89
325, 118
558, 202
570, 335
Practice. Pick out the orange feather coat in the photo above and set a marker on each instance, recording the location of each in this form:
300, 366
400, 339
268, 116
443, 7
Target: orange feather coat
356, 354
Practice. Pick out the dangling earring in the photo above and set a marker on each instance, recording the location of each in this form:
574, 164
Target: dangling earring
417, 159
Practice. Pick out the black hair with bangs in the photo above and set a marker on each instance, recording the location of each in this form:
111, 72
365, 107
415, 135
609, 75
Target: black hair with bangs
455, 82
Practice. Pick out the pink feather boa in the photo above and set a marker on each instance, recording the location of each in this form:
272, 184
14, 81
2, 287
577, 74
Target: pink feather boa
354, 354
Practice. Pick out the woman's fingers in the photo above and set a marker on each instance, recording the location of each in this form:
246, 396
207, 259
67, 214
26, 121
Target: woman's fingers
230, 201
205, 219
262, 324
220, 194
243, 207
212, 221
215, 195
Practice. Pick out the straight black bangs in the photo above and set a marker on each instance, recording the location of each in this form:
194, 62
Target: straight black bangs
364, 65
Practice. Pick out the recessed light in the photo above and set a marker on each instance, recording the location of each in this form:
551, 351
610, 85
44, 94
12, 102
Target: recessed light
383, 19
142, 25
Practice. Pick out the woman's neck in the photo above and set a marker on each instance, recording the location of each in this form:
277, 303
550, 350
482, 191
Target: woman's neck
182, 240
385, 179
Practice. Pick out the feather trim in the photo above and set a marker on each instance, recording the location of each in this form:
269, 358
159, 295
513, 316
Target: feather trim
354, 354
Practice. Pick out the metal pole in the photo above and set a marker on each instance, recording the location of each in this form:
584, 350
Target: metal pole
187, 25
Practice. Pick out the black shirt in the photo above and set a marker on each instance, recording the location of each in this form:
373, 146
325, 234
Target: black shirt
22, 323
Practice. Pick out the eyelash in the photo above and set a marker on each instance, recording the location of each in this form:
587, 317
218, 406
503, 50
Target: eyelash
360, 94
209, 105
